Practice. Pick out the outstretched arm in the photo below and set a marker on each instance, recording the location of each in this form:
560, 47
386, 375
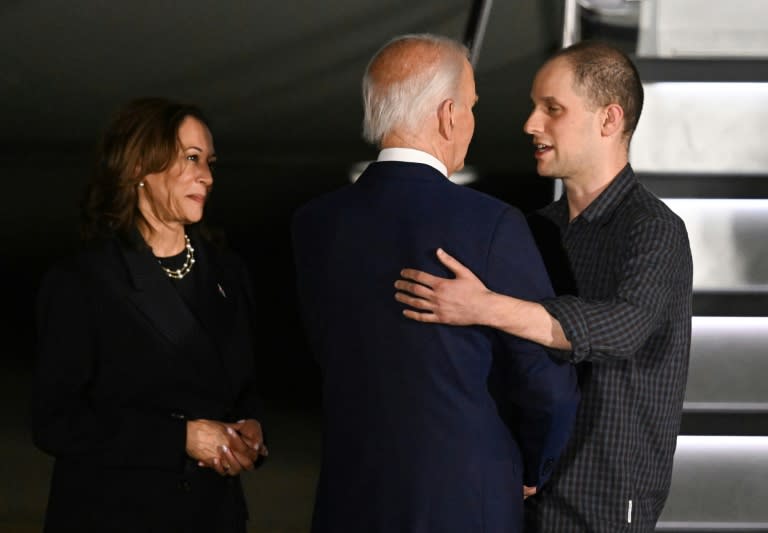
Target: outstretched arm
465, 300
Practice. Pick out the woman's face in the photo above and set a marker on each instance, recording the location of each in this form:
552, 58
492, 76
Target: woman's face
178, 195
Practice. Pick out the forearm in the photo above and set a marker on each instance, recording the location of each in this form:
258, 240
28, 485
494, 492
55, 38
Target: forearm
522, 318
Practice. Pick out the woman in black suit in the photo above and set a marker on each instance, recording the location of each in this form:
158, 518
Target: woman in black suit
145, 384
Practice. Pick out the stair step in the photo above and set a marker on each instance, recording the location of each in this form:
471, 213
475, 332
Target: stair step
728, 243
730, 303
703, 28
712, 527
728, 365
685, 185
724, 423
718, 484
702, 128
730, 70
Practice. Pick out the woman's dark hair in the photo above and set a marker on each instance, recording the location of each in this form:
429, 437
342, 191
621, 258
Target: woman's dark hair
142, 138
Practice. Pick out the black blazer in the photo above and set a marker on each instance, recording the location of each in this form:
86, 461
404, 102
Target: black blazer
123, 362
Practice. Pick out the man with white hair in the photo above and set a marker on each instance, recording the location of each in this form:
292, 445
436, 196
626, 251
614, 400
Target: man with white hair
437, 428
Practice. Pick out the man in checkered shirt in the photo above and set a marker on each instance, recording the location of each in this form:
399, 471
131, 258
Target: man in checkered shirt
621, 264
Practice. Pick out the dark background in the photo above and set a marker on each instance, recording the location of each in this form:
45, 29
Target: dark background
280, 82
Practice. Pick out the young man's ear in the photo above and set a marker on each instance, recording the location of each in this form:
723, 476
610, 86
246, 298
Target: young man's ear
613, 120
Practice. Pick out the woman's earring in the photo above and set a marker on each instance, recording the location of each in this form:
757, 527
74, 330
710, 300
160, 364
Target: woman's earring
141, 184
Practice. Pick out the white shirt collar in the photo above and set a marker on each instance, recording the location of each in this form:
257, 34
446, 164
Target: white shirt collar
411, 155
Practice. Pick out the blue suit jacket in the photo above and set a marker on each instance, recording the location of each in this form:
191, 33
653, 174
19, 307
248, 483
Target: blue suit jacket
428, 428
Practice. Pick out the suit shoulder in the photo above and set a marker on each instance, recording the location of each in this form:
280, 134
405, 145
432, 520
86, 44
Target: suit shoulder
72, 276
80, 262
486, 202
320, 202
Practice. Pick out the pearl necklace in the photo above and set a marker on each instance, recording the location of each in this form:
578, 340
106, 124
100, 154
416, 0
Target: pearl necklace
184, 269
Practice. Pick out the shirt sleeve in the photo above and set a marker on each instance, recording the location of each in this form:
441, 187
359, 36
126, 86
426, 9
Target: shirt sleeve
616, 327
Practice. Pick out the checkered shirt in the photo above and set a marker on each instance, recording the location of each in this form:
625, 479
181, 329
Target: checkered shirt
623, 273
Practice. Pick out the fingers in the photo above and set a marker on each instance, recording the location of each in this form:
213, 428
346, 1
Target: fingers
431, 281
241, 451
263, 450
219, 466
421, 316
228, 462
422, 308
258, 448
234, 462
249, 440
452, 263
238, 444
420, 276
413, 295
425, 308
253, 436
250, 431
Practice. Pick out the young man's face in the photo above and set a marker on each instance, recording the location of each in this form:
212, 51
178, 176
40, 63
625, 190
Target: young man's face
564, 125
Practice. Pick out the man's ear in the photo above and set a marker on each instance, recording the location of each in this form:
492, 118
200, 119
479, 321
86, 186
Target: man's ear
613, 120
445, 118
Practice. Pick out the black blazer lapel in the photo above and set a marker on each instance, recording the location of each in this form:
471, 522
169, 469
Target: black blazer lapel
155, 296
217, 296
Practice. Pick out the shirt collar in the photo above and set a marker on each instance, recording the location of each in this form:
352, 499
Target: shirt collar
611, 197
411, 155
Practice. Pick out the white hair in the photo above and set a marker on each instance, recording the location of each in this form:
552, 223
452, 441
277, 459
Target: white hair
407, 103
